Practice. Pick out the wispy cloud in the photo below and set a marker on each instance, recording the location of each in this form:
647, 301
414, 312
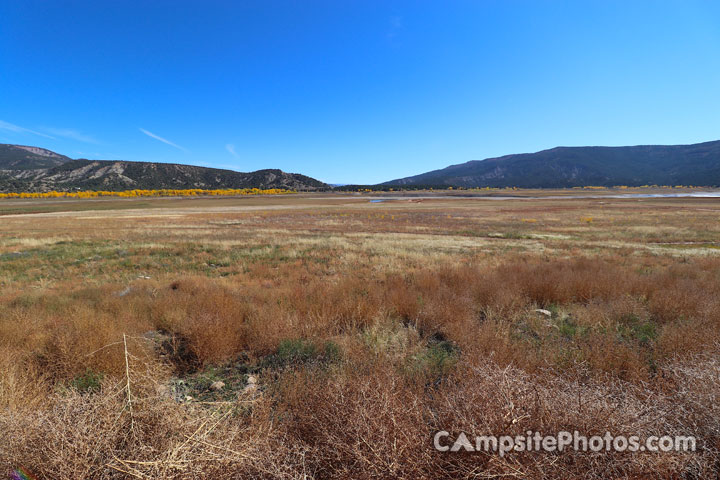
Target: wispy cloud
164, 140
231, 148
17, 129
71, 134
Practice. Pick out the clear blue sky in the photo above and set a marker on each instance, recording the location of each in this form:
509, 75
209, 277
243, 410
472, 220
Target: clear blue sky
354, 91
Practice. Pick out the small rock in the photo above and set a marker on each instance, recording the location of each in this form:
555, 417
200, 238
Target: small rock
219, 385
188, 398
250, 388
547, 313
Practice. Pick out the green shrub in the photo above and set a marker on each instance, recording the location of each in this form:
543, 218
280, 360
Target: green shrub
435, 361
88, 382
298, 352
634, 329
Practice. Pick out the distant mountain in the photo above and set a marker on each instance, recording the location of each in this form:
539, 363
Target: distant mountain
560, 167
32, 169
20, 157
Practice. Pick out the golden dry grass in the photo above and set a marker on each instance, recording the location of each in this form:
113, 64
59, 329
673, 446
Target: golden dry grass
368, 327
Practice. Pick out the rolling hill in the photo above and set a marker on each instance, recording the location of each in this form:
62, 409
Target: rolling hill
20, 157
561, 167
33, 169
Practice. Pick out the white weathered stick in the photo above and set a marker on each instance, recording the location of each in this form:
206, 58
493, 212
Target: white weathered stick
127, 377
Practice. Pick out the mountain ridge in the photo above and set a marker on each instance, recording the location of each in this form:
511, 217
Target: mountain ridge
564, 167
34, 169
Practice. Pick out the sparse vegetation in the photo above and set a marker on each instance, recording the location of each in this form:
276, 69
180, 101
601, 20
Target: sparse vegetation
88, 382
330, 338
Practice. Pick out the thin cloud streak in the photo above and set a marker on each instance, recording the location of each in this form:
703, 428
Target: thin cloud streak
164, 140
231, 148
71, 134
17, 129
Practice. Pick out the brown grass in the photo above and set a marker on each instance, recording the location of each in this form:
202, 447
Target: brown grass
368, 327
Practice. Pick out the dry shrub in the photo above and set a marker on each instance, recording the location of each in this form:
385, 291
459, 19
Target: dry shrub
616, 354
365, 423
65, 333
96, 436
695, 385
487, 400
210, 315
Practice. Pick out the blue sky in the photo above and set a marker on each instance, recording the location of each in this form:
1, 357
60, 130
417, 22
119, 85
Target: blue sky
354, 91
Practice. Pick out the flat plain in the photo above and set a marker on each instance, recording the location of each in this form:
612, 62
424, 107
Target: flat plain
330, 336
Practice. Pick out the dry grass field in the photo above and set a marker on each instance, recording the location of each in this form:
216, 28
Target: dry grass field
327, 336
